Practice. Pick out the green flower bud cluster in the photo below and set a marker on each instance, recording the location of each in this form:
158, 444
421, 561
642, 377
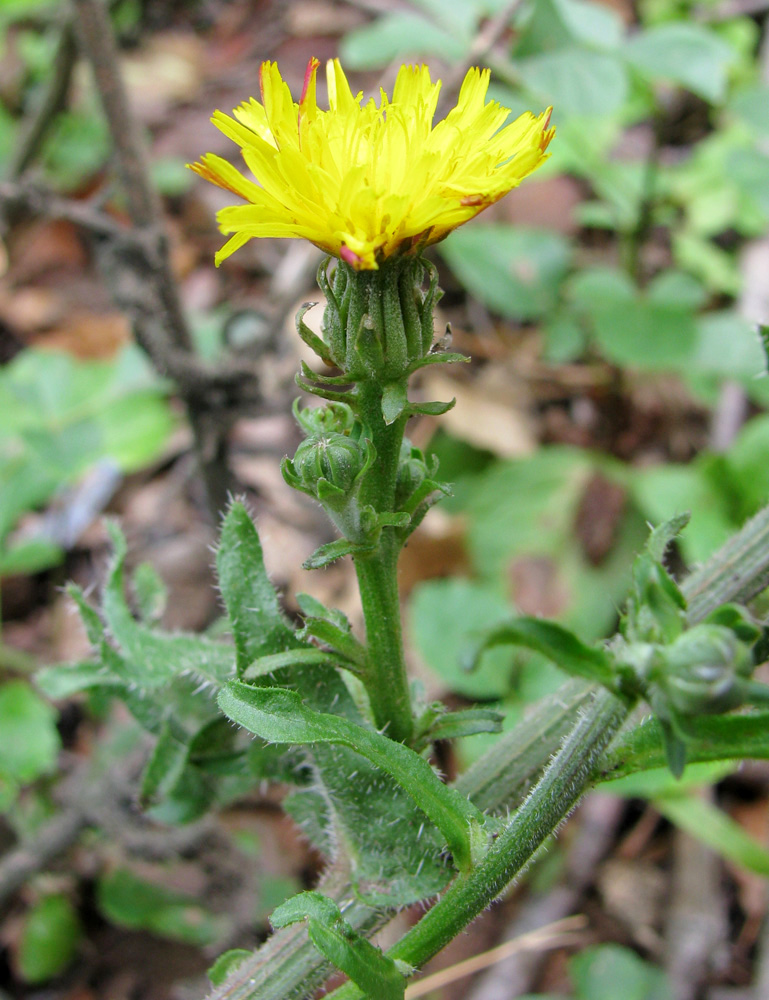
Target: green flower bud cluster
330, 464
702, 673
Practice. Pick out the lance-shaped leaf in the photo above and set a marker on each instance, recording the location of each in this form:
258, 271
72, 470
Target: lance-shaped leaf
280, 716
154, 657
709, 738
373, 972
553, 641
294, 658
340, 639
258, 624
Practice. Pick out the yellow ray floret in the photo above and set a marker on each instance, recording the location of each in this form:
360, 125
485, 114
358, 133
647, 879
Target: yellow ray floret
365, 182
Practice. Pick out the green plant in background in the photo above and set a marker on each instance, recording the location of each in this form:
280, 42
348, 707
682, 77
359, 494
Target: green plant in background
335, 716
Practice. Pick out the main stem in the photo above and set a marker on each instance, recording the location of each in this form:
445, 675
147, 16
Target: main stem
387, 680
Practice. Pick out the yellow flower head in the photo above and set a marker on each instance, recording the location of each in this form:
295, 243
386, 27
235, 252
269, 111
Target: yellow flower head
365, 182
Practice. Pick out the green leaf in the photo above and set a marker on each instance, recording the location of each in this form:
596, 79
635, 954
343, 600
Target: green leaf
371, 970
576, 81
291, 658
556, 643
226, 963
710, 738
685, 53
258, 624
69, 678
164, 768
513, 270
398, 35
131, 902
394, 400
609, 971
715, 829
155, 658
465, 722
663, 534
658, 781
443, 616
339, 638
31, 556
280, 716
50, 936
30, 742
150, 592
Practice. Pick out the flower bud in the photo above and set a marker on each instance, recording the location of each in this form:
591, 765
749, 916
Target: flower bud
333, 418
412, 472
335, 458
703, 670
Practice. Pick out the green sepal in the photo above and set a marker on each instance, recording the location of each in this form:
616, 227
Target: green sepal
394, 401
325, 490
438, 358
738, 619
398, 519
431, 409
311, 607
312, 340
663, 534
372, 971
313, 376
291, 658
553, 641
332, 551
315, 390
280, 716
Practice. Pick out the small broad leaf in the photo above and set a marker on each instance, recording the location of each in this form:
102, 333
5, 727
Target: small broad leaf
556, 643
129, 901
514, 271
686, 53
258, 624
609, 971
30, 742
50, 936
311, 607
280, 716
371, 970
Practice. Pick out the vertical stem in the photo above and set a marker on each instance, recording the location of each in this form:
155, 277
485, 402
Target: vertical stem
377, 571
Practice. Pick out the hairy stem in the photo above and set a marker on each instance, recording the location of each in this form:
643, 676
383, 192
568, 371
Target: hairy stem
387, 679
